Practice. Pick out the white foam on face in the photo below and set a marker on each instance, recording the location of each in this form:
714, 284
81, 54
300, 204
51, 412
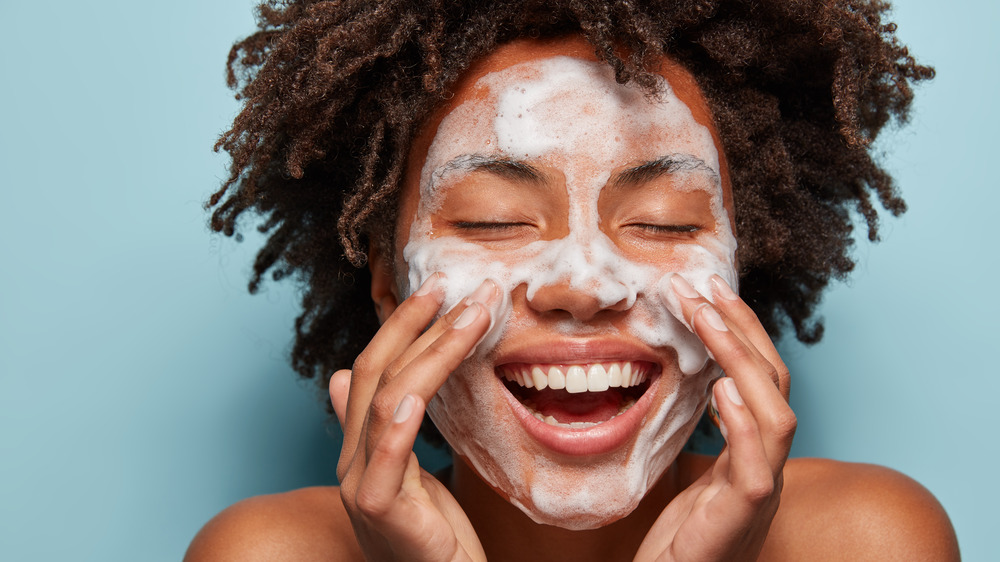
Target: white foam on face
570, 115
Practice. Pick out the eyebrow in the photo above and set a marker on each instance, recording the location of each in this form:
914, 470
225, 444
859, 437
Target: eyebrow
502, 167
664, 165
508, 169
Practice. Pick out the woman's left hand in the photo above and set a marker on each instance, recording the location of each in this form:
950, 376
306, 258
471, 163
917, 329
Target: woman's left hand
726, 514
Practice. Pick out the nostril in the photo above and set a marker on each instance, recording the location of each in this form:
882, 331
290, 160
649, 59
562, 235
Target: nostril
580, 304
621, 305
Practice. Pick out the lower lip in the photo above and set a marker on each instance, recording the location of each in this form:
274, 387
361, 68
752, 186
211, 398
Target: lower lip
595, 440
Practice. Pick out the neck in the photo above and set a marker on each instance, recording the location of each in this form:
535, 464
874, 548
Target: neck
506, 533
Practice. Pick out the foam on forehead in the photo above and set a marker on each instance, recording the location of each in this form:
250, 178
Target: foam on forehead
566, 103
562, 105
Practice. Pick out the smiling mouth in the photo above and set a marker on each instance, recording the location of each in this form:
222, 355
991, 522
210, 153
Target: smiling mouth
577, 395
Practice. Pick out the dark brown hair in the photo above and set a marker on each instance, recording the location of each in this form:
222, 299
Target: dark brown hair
333, 93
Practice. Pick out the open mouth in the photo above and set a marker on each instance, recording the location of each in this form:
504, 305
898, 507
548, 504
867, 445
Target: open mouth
577, 395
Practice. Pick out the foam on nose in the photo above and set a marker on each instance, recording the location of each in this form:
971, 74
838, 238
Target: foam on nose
588, 264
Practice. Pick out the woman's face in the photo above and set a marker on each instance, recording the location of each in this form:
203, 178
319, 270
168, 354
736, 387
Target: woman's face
579, 197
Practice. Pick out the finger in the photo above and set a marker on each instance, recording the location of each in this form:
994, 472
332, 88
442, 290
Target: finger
487, 294
730, 304
753, 378
391, 495
398, 332
367, 397
340, 387
749, 469
425, 374
380, 485
683, 301
754, 375
694, 308
728, 512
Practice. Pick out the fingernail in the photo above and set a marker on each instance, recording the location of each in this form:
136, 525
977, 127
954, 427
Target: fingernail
484, 294
723, 289
683, 288
712, 318
429, 285
404, 409
729, 385
669, 298
468, 316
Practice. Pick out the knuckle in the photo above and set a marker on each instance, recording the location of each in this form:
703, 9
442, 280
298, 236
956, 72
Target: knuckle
438, 351
390, 373
740, 354
381, 408
382, 449
759, 490
394, 369
447, 353
785, 423
372, 503
362, 364
746, 432
772, 374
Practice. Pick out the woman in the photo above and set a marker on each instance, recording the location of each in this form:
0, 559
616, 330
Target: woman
549, 199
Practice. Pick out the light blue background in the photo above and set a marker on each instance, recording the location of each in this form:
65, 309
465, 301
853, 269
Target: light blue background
142, 390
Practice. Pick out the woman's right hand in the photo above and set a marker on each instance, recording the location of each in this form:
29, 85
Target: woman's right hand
398, 510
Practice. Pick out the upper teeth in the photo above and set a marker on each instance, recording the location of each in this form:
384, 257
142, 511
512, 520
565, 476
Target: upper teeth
595, 377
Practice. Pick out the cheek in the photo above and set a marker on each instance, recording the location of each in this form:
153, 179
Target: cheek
464, 265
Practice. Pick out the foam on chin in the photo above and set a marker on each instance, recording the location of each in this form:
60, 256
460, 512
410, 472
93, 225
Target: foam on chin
561, 110
552, 491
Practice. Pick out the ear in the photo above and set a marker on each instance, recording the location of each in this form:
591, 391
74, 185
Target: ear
385, 295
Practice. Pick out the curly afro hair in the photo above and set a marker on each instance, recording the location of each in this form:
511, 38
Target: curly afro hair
334, 91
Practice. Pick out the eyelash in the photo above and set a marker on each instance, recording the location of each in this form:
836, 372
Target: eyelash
487, 225
657, 228
670, 228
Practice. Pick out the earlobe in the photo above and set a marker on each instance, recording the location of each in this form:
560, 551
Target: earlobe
384, 292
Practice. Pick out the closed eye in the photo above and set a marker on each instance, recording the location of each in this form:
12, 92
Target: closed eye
668, 228
477, 225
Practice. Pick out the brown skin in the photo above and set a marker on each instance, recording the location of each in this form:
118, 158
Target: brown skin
829, 511
724, 508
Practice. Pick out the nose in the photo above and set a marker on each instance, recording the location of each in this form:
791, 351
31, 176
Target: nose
582, 303
582, 277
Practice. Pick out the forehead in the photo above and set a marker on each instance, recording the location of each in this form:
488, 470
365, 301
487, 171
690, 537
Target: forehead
531, 98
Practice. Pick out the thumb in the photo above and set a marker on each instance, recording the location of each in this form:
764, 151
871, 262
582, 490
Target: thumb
340, 387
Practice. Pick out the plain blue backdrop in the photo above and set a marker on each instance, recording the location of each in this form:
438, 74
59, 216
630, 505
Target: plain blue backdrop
142, 390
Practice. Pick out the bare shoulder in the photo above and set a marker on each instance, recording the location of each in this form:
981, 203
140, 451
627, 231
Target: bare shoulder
302, 525
845, 511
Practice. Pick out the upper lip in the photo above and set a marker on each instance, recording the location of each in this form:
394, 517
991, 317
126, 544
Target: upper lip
578, 351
